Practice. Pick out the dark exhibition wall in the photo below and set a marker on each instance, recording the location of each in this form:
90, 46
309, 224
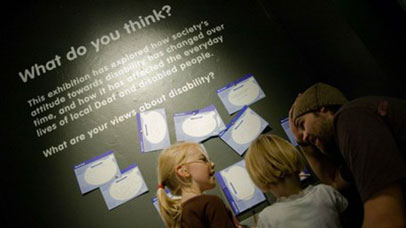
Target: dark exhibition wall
77, 74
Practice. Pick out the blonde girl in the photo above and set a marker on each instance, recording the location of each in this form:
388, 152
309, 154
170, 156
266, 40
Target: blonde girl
186, 171
274, 165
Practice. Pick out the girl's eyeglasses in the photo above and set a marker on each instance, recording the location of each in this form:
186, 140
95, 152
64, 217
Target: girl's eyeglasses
202, 160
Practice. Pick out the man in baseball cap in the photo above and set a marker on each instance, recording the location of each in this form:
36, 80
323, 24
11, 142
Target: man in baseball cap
368, 136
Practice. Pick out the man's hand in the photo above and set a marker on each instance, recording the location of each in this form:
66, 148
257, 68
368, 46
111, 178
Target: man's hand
292, 126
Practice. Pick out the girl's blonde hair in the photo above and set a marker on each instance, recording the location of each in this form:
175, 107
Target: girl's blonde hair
169, 159
270, 159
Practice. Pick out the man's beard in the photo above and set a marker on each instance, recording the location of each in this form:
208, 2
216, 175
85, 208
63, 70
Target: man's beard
325, 136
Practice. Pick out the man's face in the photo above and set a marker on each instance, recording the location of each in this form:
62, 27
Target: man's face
317, 129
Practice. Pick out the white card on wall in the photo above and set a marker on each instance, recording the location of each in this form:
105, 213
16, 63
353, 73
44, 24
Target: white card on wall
243, 129
129, 185
198, 125
237, 186
97, 171
153, 130
288, 131
244, 91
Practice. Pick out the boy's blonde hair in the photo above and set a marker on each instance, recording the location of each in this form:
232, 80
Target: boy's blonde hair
169, 159
270, 159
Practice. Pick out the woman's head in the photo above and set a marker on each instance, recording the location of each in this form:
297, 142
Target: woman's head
182, 166
270, 159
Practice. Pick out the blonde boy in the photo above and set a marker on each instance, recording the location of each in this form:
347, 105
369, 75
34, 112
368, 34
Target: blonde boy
274, 165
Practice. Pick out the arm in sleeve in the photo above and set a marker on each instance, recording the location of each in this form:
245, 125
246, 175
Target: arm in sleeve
378, 167
384, 209
369, 150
